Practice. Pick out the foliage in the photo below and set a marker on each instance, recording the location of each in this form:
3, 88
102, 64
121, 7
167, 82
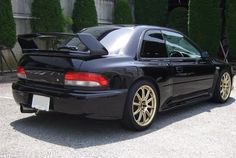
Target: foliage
122, 13
68, 23
84, 15
205, 24
49, 16
231, 26
151, 12
178, 19
7, 25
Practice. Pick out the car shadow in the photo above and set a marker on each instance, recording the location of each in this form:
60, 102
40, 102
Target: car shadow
76, 132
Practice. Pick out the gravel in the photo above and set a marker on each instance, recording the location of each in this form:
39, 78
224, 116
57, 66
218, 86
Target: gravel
202, 130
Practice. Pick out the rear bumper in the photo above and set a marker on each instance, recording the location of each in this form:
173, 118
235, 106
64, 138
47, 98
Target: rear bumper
93, 104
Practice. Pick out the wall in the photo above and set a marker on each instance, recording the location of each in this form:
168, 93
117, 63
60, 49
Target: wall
105, 11
67, 7
22, 12
22, 15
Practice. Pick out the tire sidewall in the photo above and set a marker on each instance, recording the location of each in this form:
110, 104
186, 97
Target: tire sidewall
217, 95
128, 118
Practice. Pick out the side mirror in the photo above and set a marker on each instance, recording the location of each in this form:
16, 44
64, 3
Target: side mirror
205, 54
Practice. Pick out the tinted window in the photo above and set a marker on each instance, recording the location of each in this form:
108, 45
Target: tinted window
153, 45
114, 40
179, 46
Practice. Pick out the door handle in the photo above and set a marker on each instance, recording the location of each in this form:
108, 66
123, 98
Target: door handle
179, 69
202, 62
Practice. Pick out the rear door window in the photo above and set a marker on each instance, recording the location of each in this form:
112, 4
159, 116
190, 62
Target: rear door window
153, 45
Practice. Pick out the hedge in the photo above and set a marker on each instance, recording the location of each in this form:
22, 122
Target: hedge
151, 12
68, 23
178, 19
205, 24
7, 25
122, 13
84, 14
49, 16
231, 26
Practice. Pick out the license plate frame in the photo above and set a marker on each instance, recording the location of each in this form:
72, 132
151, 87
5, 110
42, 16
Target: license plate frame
40, 102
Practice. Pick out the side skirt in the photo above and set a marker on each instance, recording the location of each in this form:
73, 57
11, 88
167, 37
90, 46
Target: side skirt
186, 103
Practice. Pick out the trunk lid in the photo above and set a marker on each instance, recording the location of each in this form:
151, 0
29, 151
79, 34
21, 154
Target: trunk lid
45, 67
48, 65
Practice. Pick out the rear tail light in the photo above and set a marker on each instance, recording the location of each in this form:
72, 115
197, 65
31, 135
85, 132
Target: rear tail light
85, 79
21, 72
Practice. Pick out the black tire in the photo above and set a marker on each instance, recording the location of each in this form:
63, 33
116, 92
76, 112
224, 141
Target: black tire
217, 97
128, 115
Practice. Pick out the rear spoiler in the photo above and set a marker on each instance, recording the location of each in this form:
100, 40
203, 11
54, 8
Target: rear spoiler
95, 48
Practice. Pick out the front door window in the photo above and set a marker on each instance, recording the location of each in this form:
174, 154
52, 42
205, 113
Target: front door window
179, 46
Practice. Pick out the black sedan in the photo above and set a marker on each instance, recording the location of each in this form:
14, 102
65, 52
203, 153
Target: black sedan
117, 72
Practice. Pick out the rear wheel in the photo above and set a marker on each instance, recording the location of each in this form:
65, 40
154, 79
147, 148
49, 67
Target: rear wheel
223, 87
141, 106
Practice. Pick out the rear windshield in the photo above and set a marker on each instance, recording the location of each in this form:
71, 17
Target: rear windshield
113, 39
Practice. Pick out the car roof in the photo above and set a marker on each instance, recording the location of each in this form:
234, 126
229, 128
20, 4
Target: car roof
144, 27
138, 30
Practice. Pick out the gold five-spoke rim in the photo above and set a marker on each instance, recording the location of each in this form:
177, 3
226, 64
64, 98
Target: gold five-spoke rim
225, 86
144, 105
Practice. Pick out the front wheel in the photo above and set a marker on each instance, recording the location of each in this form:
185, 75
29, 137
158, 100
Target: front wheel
223, 87
141, 106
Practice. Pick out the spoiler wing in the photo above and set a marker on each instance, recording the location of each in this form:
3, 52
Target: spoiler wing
95, 48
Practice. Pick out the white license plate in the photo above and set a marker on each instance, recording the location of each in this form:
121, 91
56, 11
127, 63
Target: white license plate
40, 102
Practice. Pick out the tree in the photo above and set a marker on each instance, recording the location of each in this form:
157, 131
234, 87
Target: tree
7, 25
122, 13
230, 26
49, 16
205, 24
68, 23
84, 14
178, 19
151, 12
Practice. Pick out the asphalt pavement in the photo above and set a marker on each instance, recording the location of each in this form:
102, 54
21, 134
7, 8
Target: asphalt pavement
203, 130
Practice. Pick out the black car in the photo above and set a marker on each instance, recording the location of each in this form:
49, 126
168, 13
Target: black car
117, 72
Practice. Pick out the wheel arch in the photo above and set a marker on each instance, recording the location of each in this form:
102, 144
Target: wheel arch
151, 80
128, 119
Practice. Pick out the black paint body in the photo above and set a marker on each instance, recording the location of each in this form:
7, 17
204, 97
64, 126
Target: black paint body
179, 81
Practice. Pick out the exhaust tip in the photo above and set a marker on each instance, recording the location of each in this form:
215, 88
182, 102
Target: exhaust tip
24, 109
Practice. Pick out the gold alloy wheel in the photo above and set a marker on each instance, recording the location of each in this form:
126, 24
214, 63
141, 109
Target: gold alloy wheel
144, 105
225, 86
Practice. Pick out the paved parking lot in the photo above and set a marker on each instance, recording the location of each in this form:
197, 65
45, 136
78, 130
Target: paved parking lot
203, 130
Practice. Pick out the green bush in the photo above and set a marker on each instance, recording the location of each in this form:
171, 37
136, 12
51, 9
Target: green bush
49, 14
122, 13
151, 12
231, 26
178, 19
68, 23
205, 24
84, 15
7, 25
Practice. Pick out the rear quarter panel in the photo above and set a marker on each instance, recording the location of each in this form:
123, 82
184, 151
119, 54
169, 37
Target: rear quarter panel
120, 71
